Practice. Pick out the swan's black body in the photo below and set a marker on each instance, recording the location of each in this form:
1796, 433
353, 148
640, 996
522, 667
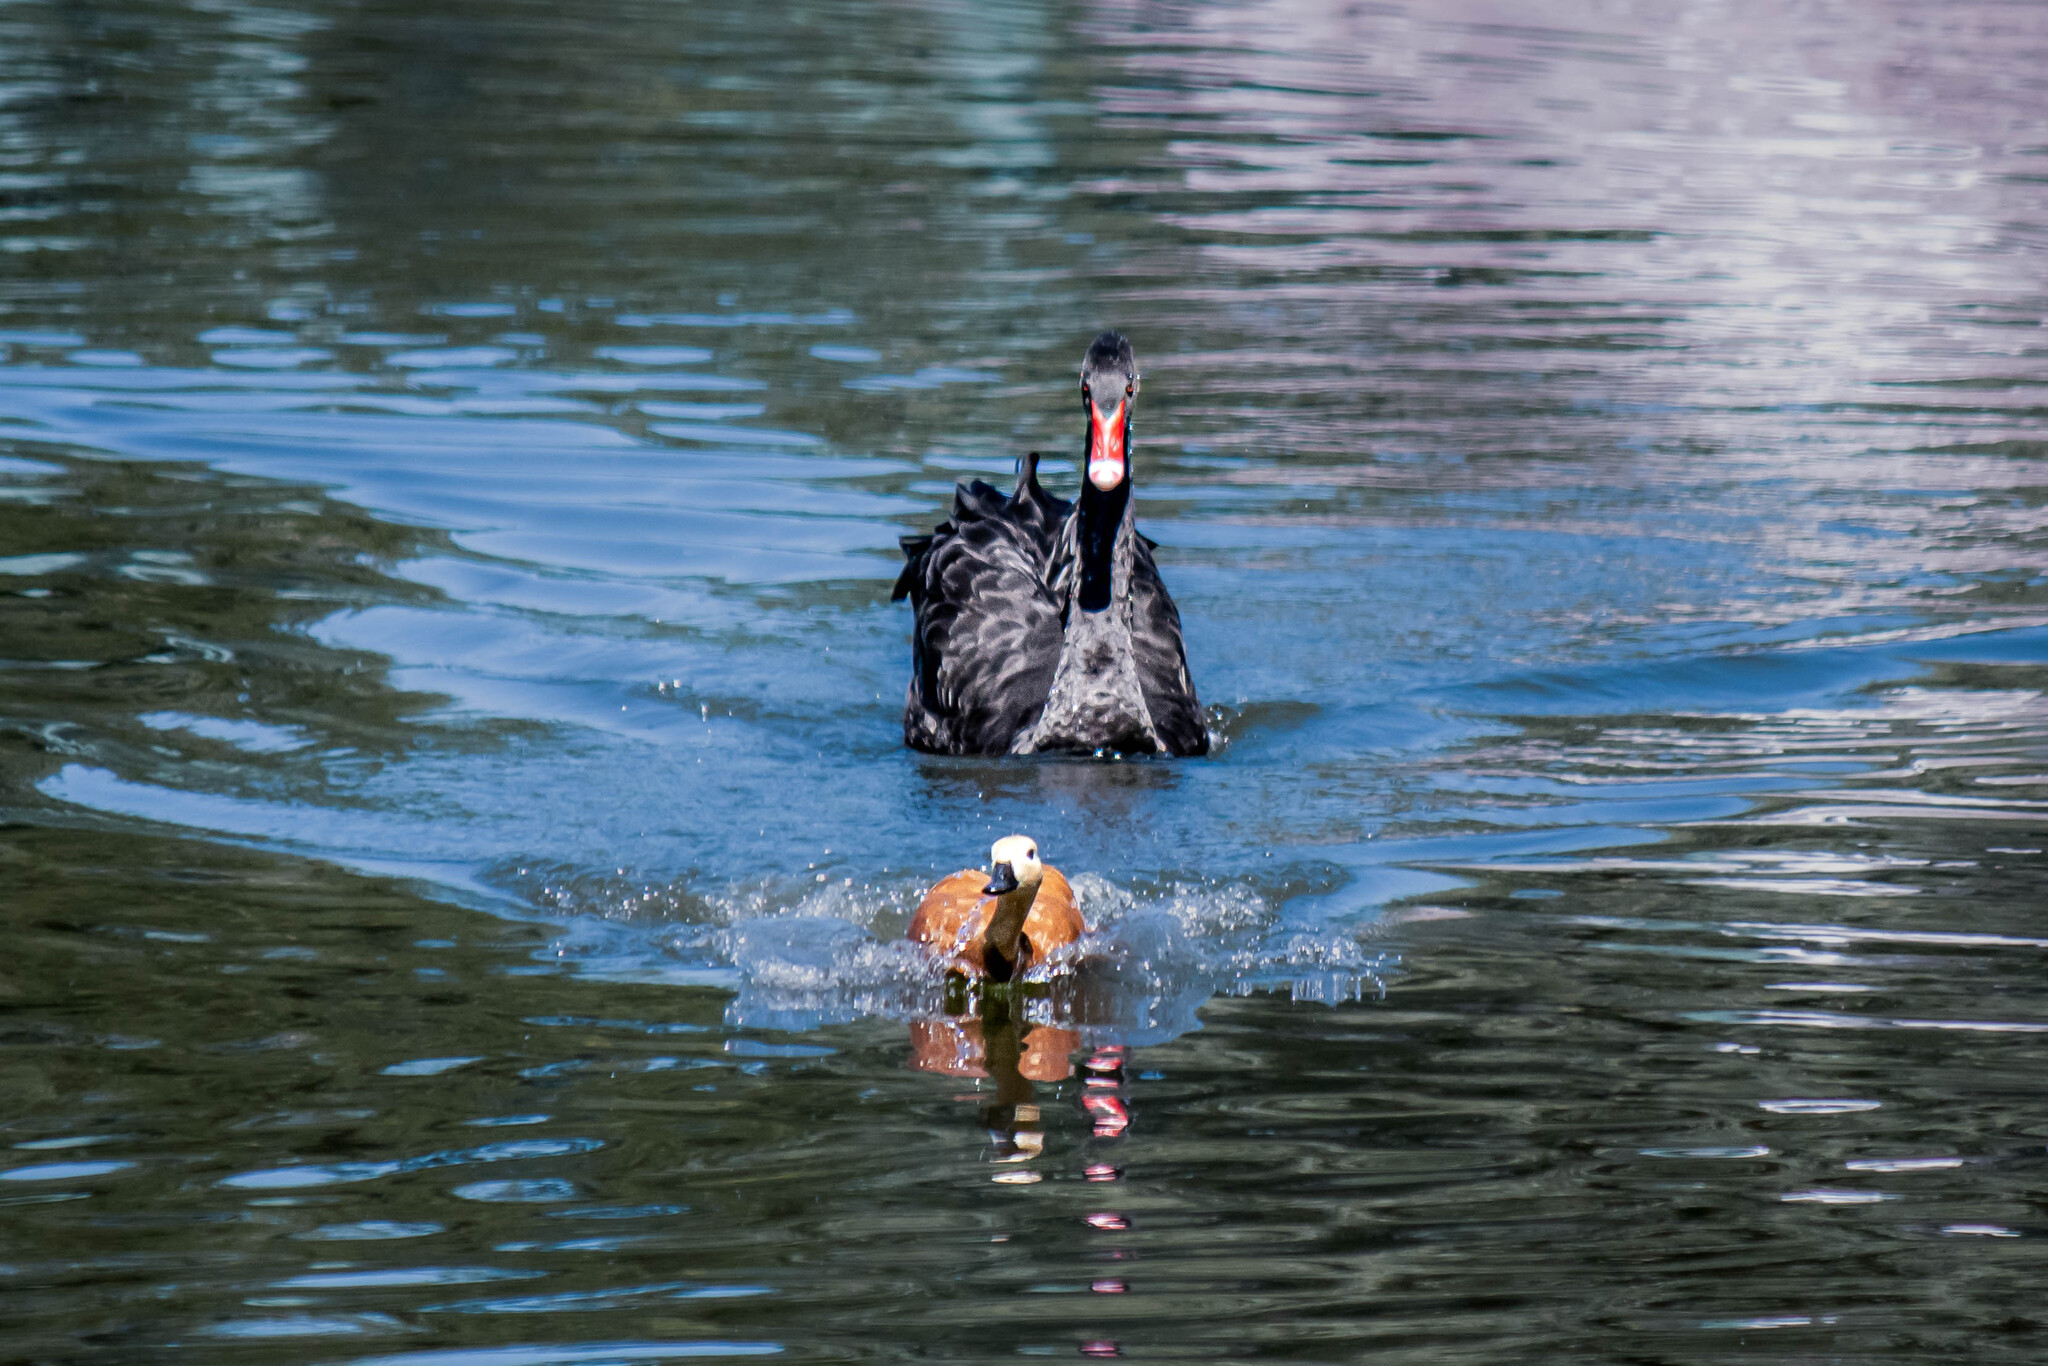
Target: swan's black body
1042, 625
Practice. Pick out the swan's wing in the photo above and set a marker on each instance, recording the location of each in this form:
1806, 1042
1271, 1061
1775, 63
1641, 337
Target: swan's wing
1036, 514
1162, 659
987, 637
914, 548
1035, 510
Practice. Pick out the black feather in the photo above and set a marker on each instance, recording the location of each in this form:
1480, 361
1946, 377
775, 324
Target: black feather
987, 636
1035, 510
914, 548
1162, 660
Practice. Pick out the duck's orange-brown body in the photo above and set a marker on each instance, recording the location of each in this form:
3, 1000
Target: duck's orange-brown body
953, 919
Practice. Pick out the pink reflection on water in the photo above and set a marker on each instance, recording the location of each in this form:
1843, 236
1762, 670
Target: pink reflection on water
1109, 1112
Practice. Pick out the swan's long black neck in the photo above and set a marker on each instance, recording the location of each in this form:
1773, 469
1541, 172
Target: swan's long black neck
1099, 518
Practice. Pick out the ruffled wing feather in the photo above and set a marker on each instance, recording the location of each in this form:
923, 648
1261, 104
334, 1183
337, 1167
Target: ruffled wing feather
1162, 660
987, 637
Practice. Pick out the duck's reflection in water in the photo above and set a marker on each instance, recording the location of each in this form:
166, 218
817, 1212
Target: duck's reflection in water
987, 1035
992, 1039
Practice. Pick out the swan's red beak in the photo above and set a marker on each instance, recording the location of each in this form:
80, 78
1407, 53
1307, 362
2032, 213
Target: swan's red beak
1106, 446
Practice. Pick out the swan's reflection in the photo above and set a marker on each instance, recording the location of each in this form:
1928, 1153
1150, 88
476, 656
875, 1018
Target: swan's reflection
1103, 790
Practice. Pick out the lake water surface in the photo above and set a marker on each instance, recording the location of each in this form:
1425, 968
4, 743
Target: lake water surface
454, 826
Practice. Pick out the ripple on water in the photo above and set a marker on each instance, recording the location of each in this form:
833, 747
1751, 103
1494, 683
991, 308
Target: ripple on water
531, 1191
573, 1354
601, 1301
369, 1230
63, 1171
346, 1173
401, 1276
304, 1326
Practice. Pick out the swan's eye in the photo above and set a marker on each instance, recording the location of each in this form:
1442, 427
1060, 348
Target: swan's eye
1130, 388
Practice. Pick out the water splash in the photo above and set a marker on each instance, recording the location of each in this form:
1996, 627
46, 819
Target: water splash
801, 954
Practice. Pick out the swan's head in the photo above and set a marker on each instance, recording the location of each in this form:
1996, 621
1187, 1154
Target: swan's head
1013, 865
1109, 388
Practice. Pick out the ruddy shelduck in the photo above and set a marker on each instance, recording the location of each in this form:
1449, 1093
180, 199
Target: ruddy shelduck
994, 925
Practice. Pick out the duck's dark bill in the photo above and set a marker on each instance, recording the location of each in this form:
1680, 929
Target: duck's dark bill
1106, 447
1001, 878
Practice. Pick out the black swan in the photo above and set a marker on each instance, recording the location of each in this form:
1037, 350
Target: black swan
1042, 625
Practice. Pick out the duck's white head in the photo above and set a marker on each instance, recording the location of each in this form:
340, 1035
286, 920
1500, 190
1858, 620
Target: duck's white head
1013, 865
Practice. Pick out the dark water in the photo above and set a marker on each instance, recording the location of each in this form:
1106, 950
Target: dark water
455, 824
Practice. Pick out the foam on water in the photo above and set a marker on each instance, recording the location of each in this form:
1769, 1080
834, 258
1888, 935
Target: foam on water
801, 953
